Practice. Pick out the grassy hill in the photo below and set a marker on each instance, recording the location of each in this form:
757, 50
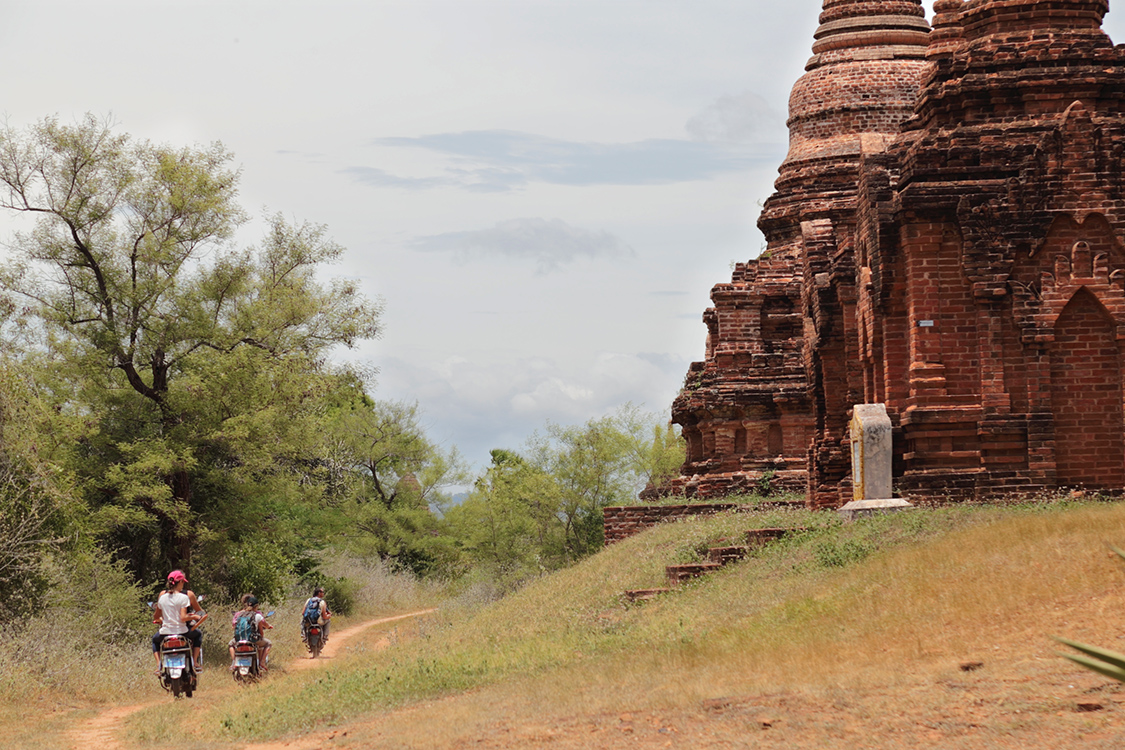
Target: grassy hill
886, 606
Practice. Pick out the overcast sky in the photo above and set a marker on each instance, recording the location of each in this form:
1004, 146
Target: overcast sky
542, 192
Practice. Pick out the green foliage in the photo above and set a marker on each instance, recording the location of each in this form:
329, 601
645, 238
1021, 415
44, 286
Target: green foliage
341, 594
1100, 660
99, 595
838, 553
540, 510
37, 507
592, 466
387, 479
187, 378
509, 524
255, 566
765, 483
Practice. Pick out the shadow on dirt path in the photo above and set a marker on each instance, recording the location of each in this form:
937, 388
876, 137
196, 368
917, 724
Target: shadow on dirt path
101, 731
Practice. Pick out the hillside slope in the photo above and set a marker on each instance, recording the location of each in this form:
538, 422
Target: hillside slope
847, 635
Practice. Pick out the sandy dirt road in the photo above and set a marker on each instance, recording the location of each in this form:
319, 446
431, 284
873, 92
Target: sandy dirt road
102, 730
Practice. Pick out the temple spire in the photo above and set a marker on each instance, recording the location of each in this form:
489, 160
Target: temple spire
863, 78
853, 29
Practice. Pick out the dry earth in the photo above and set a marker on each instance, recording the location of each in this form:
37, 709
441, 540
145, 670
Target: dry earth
1014, 693
101, 732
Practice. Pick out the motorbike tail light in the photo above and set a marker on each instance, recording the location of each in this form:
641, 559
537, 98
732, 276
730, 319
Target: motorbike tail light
314, 631
244, 648
174, 643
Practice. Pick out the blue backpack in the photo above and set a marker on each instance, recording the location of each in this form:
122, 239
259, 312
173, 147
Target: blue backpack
312, 610
244, 629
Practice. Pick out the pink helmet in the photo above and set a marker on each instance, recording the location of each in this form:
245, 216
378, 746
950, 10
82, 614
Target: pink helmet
176, 576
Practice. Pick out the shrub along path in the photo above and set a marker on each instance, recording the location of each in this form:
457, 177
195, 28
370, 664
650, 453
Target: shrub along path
102, 730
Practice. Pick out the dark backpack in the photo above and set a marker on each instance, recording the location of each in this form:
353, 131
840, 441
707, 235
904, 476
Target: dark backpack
312, 610
244, 629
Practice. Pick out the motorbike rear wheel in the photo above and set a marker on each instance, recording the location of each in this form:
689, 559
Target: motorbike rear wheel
177, 686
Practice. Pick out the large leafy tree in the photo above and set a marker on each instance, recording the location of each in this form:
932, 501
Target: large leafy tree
606, 461
197, 366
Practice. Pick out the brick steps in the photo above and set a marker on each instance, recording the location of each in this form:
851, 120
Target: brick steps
642, 595
717, 558
724, 555
677, 574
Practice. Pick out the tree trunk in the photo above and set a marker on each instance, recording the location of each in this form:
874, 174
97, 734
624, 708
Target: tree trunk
176, 539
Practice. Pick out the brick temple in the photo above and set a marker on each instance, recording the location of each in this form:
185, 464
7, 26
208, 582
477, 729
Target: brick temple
946, 239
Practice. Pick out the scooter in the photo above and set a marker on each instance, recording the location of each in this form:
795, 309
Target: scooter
245, 667
178, 671
314, 640
177, 668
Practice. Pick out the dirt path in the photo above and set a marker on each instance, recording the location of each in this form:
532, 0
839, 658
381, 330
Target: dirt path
337, 641
101, 731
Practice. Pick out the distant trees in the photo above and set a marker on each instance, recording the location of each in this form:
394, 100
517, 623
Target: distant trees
389, 478
542, 509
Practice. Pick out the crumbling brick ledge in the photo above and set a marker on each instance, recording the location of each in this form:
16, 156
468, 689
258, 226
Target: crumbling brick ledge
623, 521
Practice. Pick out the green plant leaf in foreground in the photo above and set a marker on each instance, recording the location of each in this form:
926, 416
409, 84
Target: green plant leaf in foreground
1100, 660
1094, 665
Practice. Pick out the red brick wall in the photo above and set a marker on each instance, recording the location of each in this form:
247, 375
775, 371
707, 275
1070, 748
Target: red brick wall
1086, 396
621, 522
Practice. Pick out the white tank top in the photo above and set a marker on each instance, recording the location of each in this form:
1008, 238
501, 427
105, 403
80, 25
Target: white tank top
170, 606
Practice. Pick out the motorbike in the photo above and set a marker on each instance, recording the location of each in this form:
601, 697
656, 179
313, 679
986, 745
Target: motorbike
177, 668
245, 667
314, 640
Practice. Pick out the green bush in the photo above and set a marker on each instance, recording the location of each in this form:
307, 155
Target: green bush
257, 567
341, 594
842, 552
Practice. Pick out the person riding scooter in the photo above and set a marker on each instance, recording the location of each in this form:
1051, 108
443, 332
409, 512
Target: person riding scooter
259, 627
173, 616
315, 612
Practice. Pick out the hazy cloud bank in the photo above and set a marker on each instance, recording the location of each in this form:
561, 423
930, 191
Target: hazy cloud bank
746, 118
501, 160
479, 405
550, 243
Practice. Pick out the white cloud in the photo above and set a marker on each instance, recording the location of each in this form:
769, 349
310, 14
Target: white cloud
551, 243
746, 118
484, 402
501, 160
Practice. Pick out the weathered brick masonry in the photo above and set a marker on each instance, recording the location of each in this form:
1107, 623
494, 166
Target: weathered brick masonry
621, 522
945, 238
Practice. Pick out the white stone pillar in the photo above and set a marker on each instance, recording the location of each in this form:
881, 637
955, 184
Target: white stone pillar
871, 463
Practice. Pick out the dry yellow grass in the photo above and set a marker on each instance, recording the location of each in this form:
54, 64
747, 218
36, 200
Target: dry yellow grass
832, 646
860, 648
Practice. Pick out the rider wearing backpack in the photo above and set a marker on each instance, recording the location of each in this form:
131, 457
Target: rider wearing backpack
316, 612
250, 625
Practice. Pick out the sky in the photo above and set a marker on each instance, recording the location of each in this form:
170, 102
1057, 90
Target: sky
541, 192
